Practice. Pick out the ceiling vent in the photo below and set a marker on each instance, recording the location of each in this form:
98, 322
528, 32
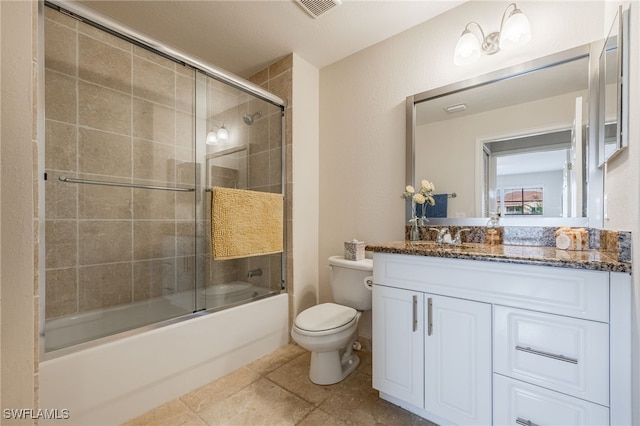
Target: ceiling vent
315, 8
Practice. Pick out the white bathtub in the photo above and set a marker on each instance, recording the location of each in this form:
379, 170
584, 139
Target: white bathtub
116, 381
88, 326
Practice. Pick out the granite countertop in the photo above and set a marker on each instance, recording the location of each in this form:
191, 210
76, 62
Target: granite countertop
533, 255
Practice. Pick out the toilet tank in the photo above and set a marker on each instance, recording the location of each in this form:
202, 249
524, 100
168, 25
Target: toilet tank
348, 282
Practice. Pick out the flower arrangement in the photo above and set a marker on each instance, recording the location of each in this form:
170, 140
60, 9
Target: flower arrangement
422, 197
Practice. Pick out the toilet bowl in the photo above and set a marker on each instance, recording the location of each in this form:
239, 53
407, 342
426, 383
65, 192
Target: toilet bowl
329, 330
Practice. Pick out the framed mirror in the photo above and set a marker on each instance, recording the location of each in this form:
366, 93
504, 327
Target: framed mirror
613, 89
514, 141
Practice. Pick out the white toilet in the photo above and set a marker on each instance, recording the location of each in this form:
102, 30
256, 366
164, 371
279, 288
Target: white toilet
329, 330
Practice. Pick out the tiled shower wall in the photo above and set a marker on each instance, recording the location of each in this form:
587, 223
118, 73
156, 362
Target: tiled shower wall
118, 113
115, 112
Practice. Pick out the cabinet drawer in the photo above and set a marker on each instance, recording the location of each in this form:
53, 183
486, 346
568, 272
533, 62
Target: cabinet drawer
565, 354
516, 403
563, 291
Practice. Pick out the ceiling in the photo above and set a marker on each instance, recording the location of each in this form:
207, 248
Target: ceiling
244, 37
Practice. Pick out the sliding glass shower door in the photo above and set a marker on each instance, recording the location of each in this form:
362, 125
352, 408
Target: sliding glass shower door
130, 161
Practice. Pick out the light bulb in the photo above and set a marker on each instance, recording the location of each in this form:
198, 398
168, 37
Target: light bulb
467, 49
222, 134
212, 138
516, 30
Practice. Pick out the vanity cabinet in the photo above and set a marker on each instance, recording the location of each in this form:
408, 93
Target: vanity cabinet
478, 342
431, 348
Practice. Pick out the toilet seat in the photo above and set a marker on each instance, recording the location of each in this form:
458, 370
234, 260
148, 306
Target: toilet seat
326, 318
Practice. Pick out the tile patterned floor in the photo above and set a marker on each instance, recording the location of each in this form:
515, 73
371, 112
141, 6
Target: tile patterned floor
276, 390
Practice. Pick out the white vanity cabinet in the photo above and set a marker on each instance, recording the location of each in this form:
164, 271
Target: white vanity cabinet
431, 348
478, 342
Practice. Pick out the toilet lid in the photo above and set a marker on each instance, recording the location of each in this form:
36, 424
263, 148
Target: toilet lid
325, 316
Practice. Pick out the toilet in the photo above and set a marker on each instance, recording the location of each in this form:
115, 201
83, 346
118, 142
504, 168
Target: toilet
329, 330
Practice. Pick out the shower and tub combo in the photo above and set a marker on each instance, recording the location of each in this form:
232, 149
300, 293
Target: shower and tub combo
130, 276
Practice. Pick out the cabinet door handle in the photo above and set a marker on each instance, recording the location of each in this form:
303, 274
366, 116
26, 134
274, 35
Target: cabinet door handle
415, 313
523, 422
547, 354
429, 316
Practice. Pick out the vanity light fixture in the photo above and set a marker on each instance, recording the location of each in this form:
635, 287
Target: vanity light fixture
214, 137
514, 31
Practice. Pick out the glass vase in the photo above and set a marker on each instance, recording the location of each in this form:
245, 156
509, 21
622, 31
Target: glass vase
414, 231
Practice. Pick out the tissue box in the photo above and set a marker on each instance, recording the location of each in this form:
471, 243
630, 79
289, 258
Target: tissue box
354, 250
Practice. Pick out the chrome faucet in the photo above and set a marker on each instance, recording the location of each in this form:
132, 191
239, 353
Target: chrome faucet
457, 240
442, 235
254, 273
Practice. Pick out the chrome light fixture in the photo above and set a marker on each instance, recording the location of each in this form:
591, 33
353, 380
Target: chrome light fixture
215, 137
514, 31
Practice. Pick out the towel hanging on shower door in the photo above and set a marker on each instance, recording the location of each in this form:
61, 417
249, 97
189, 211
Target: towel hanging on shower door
245, 223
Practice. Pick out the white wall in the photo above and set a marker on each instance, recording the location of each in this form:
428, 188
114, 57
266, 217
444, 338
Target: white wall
362, 110
305, 171
622, 183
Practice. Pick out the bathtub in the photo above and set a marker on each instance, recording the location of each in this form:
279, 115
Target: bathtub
113, 382
88, 326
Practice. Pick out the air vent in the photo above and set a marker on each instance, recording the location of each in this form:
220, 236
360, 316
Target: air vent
315, 8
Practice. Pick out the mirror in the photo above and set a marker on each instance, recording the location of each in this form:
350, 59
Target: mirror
513, 141
613, 99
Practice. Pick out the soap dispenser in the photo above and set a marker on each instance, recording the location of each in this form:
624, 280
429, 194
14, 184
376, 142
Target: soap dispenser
493, 237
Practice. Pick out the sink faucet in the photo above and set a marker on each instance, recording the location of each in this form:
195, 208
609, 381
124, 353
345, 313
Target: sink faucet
458, 238
443, 235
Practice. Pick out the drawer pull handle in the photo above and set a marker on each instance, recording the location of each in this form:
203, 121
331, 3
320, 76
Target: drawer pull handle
429, 316
523, 422
415, 313
547, 354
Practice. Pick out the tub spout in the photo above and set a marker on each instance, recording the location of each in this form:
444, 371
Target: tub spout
254, 273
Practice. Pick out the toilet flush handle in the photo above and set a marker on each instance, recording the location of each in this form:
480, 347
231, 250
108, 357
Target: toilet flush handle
368, 282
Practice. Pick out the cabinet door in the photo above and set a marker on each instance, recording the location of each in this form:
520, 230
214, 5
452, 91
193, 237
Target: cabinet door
458, 360
398, 363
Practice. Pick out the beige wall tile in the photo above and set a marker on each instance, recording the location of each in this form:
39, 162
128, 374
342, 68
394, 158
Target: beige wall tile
103, 286
104, 202
153, 204
187, 272
104, 109
185, 89
275, 167
60, 18
153, 161
61, 146
153, 122
185, 130
61, 292
156, 59
60, 97
104, 153
104, 64
61, 199
104, 241
153, 239
61, 247
60, 54
153, 82
153, 278
104, 36
258, 170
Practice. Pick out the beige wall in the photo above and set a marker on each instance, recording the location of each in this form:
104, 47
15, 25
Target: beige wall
18, 225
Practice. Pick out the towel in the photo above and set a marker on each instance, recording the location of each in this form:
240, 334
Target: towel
245, 223
440, 208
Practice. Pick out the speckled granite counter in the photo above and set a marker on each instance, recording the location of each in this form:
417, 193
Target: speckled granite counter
532, 255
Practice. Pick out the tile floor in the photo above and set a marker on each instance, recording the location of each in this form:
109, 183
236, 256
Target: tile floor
276, 390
